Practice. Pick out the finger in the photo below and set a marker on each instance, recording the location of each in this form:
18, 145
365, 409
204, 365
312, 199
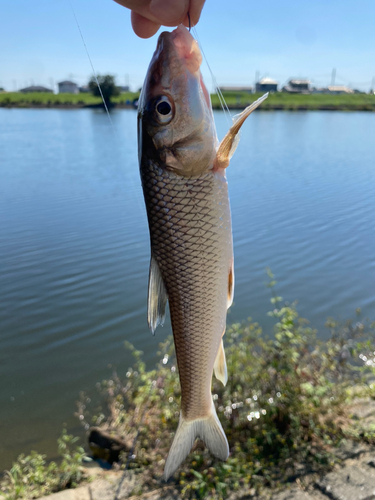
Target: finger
141, 7
169, 12
134, 4
166, 12
143, 27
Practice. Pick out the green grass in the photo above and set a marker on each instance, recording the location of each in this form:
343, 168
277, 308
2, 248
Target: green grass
235, 100
17, 99
283, 100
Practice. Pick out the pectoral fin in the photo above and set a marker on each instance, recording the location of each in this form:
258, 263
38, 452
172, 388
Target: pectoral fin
220, 366
229, 144
157, 297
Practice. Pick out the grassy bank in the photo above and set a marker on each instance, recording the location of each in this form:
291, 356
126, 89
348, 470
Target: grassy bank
46, 100
285, 410
295, 102
235, 100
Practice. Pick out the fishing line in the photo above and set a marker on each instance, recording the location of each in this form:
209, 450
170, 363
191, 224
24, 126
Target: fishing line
94, 72
214, 81
117, 137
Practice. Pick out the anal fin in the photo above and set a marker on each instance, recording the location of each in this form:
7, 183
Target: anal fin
157, 297
220, 366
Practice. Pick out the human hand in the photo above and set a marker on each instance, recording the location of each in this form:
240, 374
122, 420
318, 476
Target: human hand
148, 15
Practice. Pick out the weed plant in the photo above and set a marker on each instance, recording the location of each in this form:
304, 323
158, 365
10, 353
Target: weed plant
32, 477
283, 408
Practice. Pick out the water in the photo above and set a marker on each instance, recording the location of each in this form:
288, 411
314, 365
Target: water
74, 247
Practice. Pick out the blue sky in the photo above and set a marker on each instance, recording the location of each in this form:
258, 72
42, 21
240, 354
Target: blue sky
40, 42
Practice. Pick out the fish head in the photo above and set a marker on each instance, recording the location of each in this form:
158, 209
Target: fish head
175, 121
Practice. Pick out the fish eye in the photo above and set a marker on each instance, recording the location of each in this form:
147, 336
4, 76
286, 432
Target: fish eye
163, 109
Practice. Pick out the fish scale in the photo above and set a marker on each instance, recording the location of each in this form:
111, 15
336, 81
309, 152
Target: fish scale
191, 241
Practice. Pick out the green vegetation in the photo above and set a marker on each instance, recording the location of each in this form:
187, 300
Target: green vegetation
285, 410
294, 102
45, 100
106, 89
32, 477
235, 100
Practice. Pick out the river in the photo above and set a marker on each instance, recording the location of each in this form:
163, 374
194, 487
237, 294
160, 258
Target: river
74, 247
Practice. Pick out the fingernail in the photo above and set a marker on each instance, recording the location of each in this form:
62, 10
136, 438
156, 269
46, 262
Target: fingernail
168, 11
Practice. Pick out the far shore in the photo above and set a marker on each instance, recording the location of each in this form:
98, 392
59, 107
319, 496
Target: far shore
278, 101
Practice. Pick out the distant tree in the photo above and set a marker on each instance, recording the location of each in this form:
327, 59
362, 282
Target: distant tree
108, 86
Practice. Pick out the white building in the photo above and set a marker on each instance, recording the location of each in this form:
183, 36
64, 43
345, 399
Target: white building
67, 87
296, 86
266, 85
339, 89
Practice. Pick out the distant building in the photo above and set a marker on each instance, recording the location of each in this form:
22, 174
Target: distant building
319, 90
266, 85
67, 87
297, 86
35, 88
339, 89
123, 88
249, 90
84, 89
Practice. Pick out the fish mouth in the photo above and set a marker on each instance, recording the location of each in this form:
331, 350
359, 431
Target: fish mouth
181, 42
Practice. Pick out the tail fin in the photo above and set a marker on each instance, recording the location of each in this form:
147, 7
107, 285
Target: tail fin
209, 429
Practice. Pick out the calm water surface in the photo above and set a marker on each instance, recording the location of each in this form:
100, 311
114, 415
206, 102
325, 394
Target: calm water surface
74, 247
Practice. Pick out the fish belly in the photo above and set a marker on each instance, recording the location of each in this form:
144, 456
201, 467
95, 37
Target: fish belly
191, 240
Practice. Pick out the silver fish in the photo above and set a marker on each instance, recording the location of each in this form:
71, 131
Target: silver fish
182, 167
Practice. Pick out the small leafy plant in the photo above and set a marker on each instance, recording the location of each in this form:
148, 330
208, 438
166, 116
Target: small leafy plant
32, 477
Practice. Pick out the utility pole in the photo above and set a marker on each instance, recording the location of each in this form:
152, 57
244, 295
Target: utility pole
333, 77
256, 80
373, 84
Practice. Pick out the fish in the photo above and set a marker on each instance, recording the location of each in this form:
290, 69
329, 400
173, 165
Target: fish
182, 169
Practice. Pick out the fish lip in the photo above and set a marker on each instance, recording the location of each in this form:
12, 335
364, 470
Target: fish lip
181, 44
